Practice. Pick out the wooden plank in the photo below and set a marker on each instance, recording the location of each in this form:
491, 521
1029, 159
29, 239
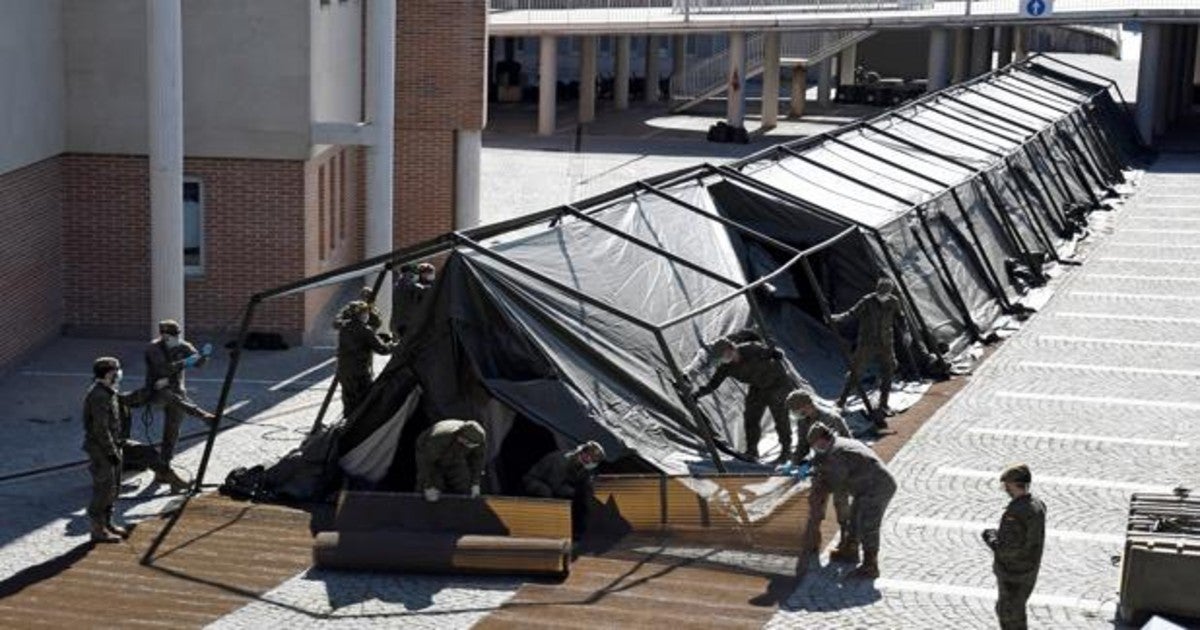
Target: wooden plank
488, 516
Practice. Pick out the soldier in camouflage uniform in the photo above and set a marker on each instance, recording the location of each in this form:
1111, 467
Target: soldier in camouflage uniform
876, 314
103, 414
166, 359
357, 340
566, 474
763, 369
450, 458
847, 465
805, 412
1018, 547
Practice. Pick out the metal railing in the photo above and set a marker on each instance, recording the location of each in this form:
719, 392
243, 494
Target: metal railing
709, 77
711, 6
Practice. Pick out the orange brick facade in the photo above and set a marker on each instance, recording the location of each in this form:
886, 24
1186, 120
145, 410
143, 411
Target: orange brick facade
441, 61
31, 265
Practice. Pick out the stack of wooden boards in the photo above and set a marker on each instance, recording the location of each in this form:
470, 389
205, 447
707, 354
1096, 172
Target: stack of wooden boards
384, 531
1162, 557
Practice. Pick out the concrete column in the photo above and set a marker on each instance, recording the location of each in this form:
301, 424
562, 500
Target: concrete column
547, 84
651, 74
381, 82
735, 108
940, 49
587, 79
1020, 43
678, 55
164, 54
770, 81
799, 91
1166, 77
468, 150
981, 51
847, 61
1187, 99
1147, 91
825, 75
962, 55
621, 80
1004, 46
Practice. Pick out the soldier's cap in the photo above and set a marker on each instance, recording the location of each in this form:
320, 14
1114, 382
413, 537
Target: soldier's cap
1018, 473
722, 345
366, 293
798, 397
358, 306
103, 365
817, 431
408, 268
168, 327
885, 284
472, 433
595, 449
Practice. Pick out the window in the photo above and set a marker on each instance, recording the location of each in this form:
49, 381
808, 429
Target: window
193, 226
345, 200
321, 213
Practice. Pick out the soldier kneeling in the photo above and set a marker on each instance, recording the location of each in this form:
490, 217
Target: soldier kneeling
566, 474
450, 458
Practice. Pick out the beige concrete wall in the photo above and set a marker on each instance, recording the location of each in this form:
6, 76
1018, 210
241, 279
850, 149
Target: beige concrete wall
31, 82
336, 60
246, 77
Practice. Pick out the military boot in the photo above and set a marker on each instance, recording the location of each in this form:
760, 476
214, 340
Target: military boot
100, 533
869, 569
785, 455
113, 528
847, 551
171, 478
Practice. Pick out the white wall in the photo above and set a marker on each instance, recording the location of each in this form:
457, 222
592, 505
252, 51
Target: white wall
31, 82
336, 54
246, 77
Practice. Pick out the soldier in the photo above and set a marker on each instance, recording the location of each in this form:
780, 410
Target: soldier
166, 359
876, 313
410, 291
104, 445
763, 369
1017, 546
366, 295
566, 474
450, 458
803, 410
847, 465
356, 341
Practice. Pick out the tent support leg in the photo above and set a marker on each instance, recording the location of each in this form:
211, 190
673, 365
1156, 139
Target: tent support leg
827, 315
986, 264
230, 373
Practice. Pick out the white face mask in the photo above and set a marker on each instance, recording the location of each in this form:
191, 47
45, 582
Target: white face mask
364, 317
172, 341
117, 377
591, 465
428, 279
796, 416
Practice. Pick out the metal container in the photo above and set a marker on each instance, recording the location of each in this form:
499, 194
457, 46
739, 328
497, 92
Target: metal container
1160, 570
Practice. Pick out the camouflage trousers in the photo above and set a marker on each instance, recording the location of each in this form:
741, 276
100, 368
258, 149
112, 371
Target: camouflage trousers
1010, 604
866, 517
106, 485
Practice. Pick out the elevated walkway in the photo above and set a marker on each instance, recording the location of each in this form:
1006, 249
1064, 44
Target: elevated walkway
578, 17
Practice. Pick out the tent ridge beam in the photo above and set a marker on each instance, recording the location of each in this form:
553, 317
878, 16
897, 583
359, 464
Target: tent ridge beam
726, 221
573, 211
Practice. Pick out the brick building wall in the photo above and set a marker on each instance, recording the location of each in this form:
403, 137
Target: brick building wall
441, 60
332, 226
253, 237
31, 264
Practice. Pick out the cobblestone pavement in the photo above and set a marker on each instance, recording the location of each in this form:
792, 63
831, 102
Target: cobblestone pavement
1097, 393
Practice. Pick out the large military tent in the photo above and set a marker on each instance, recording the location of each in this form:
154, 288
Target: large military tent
590, 321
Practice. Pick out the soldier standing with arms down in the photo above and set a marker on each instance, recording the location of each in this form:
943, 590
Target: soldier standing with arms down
763, 369
104, 444
1017, 546
876, 314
